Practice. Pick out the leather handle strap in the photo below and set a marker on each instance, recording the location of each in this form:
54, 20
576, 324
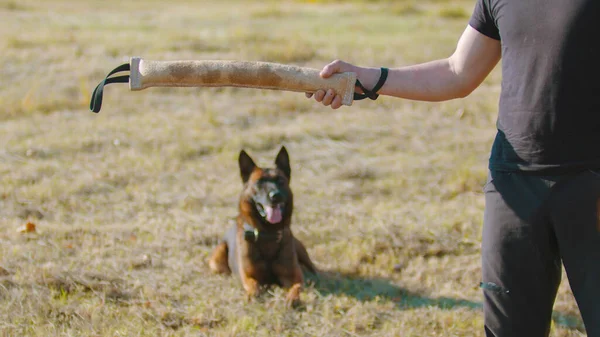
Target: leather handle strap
96, 101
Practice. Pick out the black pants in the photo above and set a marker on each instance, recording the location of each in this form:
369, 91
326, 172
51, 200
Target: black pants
531, 224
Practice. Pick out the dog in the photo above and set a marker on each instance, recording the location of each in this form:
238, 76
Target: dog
260, 247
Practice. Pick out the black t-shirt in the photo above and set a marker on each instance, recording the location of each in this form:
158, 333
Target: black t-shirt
549, 114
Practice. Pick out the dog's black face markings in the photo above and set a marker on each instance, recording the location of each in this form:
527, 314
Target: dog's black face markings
270, 193
270, 196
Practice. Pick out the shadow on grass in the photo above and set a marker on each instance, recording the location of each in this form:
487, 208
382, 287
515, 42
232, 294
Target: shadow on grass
366, 289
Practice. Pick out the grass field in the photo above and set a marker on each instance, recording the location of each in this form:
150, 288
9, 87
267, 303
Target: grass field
128, 203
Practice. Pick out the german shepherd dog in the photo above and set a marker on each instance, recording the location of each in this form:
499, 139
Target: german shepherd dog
260, 247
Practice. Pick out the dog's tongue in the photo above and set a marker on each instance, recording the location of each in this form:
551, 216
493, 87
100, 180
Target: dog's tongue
273, 214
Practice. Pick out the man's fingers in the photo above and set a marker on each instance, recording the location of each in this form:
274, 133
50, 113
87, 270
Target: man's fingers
329, 96
337, 102
319, 94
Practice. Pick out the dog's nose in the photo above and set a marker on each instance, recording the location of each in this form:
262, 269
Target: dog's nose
275, 196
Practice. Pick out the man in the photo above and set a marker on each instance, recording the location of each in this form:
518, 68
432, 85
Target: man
543, 192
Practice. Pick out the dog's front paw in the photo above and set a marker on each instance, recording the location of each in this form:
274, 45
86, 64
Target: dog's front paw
292, 300
252, 288
252, 295
293, 303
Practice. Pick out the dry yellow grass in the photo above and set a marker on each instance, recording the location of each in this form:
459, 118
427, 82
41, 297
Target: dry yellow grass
129, 203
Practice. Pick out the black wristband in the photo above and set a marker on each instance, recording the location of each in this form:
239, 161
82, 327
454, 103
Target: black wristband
372, 94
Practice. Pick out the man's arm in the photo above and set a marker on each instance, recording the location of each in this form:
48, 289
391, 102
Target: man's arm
475, 57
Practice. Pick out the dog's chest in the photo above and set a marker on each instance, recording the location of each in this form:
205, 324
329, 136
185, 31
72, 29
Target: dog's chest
267, 253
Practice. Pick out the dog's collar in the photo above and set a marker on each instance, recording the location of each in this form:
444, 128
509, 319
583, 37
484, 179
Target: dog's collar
252, 234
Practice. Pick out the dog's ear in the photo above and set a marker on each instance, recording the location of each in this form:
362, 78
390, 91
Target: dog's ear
246, 165
283, 162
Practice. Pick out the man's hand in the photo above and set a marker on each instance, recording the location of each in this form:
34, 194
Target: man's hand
329, 97
457, 76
